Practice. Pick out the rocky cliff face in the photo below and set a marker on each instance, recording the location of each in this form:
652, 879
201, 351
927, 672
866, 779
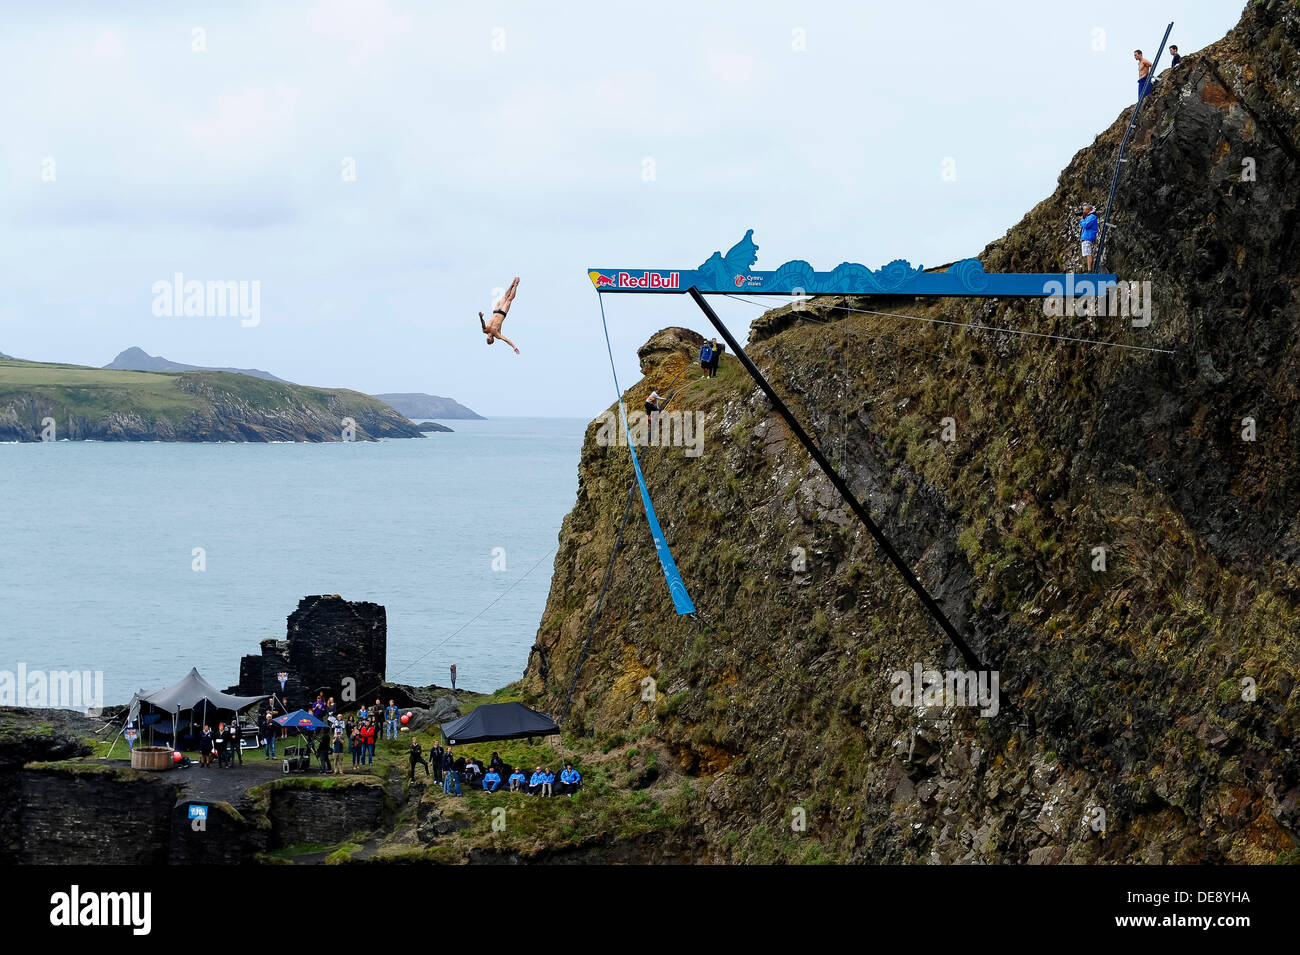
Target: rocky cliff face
1156, 690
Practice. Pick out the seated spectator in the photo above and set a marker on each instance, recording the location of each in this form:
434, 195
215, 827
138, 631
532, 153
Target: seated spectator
548, 782
474, 772
518, 782
570, 780
491, 781
535, 782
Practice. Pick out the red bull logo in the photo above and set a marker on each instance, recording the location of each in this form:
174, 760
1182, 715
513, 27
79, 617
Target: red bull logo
654, 281
650, 280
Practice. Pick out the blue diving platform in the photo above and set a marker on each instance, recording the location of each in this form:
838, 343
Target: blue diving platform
733, 273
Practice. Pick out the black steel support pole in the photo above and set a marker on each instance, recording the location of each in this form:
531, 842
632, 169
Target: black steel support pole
930, 603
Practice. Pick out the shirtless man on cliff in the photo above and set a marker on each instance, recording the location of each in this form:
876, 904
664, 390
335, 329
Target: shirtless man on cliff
492, 328
1144, 67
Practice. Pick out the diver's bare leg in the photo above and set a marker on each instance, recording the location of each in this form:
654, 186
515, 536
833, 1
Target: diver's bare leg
508, 299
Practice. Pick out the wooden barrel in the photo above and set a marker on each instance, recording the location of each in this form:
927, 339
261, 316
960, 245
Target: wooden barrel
151, 757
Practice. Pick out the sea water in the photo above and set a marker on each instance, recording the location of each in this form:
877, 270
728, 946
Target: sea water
142, 560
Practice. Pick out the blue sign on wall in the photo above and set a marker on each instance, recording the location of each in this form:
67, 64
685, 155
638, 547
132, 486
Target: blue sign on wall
733, 273
198, 812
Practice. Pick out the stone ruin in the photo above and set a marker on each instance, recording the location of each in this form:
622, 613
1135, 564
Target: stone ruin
330, 644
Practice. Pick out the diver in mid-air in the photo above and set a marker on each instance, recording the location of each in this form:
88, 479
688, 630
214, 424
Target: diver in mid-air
492, 328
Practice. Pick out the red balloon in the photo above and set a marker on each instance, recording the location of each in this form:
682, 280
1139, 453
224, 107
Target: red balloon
176, 757
406, 717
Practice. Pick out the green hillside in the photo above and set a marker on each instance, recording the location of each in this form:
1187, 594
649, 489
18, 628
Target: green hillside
102, 404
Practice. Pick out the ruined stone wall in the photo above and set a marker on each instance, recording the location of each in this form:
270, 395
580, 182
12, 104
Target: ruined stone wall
329, 641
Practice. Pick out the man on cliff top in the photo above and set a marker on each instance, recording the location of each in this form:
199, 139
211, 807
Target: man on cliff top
1144, 67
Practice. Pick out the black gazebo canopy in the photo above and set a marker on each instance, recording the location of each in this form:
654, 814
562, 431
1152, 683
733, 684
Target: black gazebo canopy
499, 721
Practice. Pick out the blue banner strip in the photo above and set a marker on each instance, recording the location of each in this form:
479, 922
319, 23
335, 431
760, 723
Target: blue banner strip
676, 586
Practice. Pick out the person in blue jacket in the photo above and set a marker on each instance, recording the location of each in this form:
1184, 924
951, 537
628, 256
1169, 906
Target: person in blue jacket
491, 781
450, 777
706, 357
570, 780
1088, 232
535, 782
517, 781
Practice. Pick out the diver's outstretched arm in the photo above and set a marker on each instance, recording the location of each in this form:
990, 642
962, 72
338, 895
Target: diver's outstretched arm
508, 342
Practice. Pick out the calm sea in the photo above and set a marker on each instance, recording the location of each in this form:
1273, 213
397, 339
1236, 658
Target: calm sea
97, 549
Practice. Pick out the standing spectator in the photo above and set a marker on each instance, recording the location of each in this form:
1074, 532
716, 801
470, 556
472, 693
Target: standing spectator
706, 356
268, 734
391, 720
357, 744
318, 706
206, 748
1144, 67
1088, 232
518, 782
718, 349
497, 763
453, 677
331, 709
448, 765
219, 744
377, 714
236, 749
451, 780
323, 751
337, 735
368, 753
417, 757
435, 758
1176, 58
278, 709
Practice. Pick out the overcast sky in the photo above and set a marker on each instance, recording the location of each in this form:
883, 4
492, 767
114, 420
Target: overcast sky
499, 139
